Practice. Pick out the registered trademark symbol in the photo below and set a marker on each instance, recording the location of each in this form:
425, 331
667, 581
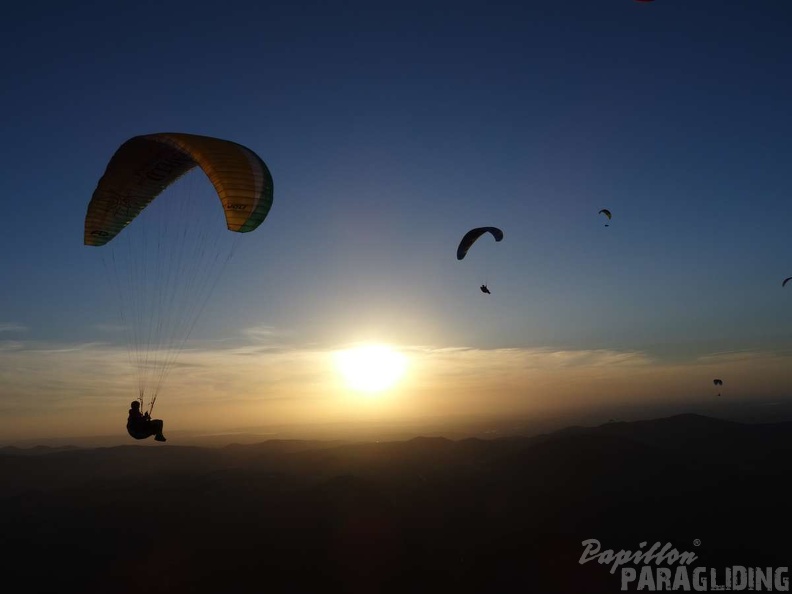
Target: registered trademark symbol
696, 542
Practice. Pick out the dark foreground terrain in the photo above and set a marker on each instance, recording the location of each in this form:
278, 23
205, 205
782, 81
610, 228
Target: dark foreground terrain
425, 515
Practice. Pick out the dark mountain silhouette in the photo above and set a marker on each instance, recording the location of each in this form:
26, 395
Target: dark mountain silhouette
35, 450
424, 515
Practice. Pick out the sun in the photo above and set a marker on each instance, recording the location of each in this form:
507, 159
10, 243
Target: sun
371, 368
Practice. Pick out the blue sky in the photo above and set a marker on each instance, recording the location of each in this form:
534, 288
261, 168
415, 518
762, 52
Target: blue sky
390, 130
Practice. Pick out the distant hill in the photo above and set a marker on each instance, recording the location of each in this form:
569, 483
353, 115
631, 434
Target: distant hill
424, 515
33, 451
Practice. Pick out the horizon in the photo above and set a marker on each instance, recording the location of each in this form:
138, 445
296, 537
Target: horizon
453, 428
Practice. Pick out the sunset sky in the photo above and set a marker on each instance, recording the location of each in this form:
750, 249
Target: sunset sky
390, 130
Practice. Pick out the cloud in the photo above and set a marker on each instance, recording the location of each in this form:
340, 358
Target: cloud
738, 356
262, 339
44, 375
256, 383
468, 361
11, 327
11, 345
262, 332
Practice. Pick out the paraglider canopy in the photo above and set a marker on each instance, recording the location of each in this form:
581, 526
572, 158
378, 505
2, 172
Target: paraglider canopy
145, 165
471, 236
786, 280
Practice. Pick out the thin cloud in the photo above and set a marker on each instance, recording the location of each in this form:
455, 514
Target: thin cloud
263, 332
471, 360
256, 382
11, 345
736, 356
260, 340
11, 327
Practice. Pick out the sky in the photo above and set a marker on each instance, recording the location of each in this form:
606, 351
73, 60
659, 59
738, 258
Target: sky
390, 130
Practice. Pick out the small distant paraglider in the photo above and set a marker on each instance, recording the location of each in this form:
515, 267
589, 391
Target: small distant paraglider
786, 280
717, 382
470, 238
607, 213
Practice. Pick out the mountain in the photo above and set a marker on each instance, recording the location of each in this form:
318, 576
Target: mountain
424, 515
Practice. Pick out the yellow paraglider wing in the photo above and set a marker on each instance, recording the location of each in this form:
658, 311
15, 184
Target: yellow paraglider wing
145, 165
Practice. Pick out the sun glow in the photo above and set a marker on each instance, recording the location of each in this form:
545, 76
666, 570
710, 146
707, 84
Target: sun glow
371, 368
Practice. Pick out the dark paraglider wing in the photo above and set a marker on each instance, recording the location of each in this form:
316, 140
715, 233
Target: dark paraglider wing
471, 236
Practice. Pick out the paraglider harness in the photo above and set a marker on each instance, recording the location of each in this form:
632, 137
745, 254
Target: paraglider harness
146, 417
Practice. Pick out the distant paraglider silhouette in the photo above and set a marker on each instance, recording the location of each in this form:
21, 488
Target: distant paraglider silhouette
717, 382
607, 213
786, 280
470, 238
